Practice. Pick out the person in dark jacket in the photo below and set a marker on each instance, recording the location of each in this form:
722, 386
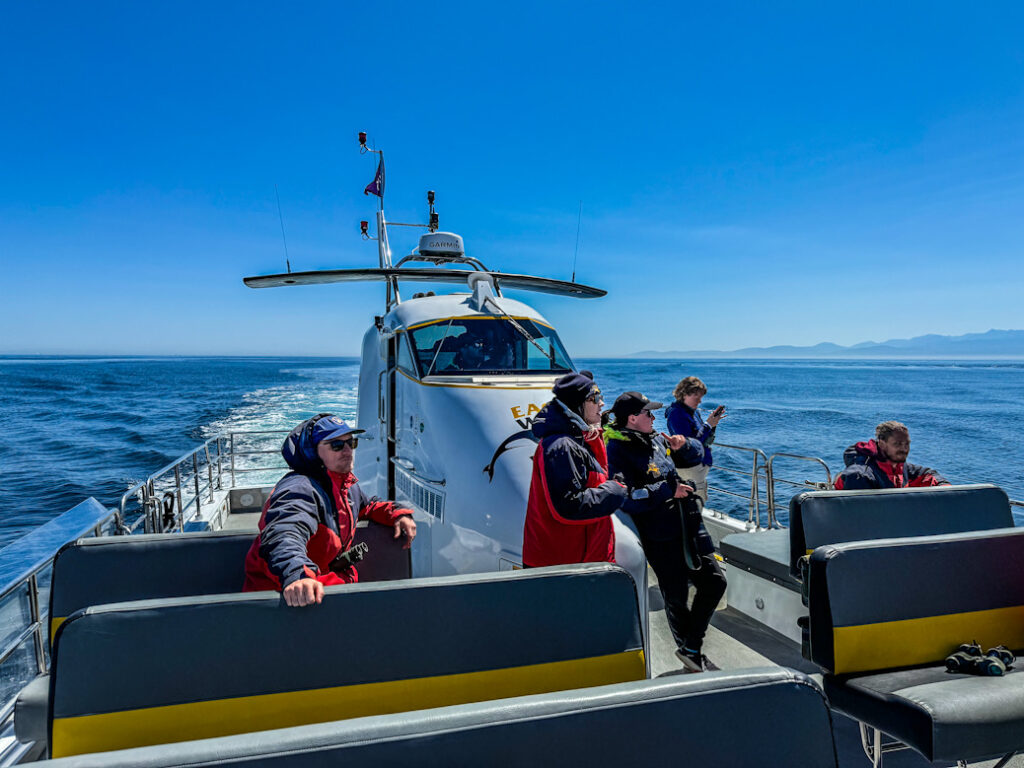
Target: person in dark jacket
882, 463
667, 513
684, 419
309, 521
568, 514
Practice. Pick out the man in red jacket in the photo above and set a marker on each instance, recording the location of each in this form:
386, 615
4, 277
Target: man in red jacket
308, 524
882, 463
568, 514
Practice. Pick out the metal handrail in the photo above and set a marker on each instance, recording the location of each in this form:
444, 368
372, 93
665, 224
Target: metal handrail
772, 521
189, 505
754, 499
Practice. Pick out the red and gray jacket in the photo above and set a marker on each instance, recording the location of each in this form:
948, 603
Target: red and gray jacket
571, 499
865, 470
309, 519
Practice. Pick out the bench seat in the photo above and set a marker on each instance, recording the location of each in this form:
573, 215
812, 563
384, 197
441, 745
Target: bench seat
648, 722
30, 710
943, 716
885, 614
216, 665
762, 553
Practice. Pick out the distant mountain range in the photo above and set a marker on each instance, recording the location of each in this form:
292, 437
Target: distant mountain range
989, 345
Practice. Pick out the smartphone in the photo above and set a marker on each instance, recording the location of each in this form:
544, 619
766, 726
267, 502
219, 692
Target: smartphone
718, 411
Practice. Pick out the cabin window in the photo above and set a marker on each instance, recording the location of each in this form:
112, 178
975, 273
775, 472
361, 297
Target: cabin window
481, 346
405, 356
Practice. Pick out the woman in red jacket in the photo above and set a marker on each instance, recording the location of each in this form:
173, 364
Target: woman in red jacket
568, 514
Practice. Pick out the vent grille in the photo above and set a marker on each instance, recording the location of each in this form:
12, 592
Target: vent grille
419, 494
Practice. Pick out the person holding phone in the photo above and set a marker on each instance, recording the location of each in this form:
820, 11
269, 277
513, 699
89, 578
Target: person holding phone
684, 419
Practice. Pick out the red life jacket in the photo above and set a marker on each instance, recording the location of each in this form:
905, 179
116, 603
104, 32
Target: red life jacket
549, 538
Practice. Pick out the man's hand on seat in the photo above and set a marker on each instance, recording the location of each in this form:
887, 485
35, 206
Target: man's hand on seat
303, 592
406, 526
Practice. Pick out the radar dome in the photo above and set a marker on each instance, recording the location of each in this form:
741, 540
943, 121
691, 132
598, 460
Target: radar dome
441, 244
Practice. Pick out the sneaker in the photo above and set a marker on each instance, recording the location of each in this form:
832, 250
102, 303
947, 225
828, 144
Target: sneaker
694, 661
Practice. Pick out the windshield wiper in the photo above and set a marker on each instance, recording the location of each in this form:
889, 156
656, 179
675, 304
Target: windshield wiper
439, 345
529, 337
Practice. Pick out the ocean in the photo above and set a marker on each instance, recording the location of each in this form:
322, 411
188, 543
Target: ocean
74, 427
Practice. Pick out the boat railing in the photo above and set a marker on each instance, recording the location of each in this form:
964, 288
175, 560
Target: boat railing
772, 480
757, 474
177, 493
26, 568
760, 496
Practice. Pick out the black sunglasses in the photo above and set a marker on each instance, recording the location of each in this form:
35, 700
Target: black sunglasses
340, 445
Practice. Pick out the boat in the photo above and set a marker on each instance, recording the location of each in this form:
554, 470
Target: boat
448, 382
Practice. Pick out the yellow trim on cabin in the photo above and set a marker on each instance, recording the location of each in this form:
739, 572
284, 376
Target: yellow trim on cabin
922, 641
472, 317
245, 714
470, 386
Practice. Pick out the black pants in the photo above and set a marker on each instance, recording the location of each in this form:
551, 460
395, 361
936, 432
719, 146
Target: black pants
688, 624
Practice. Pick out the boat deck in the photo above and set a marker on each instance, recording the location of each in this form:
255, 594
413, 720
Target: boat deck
733, 642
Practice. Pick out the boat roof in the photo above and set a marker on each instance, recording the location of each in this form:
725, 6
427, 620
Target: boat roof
429, 309
426, 275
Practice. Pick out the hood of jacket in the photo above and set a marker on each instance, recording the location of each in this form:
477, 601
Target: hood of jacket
860, 453
552, 421
299, 452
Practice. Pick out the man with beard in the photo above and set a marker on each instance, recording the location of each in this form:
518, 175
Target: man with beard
882, 463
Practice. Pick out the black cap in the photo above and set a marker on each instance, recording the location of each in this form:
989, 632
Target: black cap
573, 388
631, 403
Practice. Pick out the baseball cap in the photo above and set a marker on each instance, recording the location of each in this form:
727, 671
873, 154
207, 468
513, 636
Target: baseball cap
631, 403
331, 428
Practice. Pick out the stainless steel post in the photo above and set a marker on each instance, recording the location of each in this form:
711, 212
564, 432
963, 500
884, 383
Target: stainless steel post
209, 469
177, 493
35, 613
195, 479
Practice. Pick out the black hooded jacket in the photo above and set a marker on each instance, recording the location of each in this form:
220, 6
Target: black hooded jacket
644, 462
568, 463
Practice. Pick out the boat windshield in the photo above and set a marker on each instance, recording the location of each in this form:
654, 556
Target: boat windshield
481, 345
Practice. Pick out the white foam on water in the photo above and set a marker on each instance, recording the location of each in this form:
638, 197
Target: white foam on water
279, 409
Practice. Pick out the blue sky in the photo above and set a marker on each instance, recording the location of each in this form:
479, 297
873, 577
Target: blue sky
751, 174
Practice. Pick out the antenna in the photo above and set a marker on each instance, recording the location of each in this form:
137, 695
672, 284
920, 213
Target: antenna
287, 262
579, 219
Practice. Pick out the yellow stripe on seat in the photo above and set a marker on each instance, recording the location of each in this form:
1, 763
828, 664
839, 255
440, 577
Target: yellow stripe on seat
927, 640
244, 714
55, 623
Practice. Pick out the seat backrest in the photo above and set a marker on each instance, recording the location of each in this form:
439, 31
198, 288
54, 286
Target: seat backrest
893, 603
832, 517
785, 722
217, 665
114, 569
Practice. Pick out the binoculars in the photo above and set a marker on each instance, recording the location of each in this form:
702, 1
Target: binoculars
349, 557
969, 659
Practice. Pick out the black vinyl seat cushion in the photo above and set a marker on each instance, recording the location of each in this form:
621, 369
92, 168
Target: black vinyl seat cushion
30, 710
762, 553
943, 716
